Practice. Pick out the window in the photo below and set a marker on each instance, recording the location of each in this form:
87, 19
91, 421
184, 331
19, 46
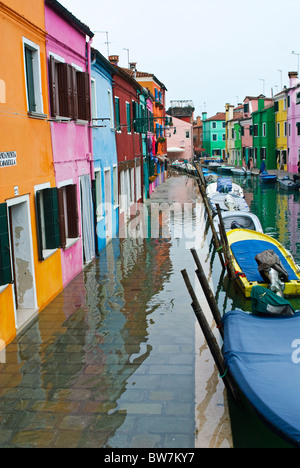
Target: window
138, 175
68, 214
110, 106
69, 91
187, 134
223, 124
285, 128
94, 100
264, 130
5, 265
255, 130
278, 129
246, 108
98, 195
223, 137
214, 125
128, 117
276, 106
298, 98
298, 128
117, 112
284, 104
57, 218
48, 232
135, 117
115, 185
33, 77
214, 137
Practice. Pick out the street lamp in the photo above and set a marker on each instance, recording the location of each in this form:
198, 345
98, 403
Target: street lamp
280, 71
124, 48
296, 53
261, 79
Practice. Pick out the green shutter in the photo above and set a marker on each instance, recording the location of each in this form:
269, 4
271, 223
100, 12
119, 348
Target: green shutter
30, 80
117, 113
5, 265
128, 117
39, 223
51, 218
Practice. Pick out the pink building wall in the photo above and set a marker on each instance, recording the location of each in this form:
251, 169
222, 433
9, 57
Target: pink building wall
71, 142
179, 140
293, 116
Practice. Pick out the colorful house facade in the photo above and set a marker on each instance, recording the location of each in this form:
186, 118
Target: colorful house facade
264, 134
180, 140
280, 109
126, 92
293, 122
105, 184
68, 59
26, 167
214, 137
157, 161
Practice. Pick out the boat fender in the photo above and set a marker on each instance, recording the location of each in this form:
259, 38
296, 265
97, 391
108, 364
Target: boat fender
239, 273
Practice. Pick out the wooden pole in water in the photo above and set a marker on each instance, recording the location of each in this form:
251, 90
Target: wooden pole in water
211, 341
225, 246
208, 293
215, 236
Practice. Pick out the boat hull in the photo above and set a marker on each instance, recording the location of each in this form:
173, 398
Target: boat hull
243, 219
259, 356
244, 246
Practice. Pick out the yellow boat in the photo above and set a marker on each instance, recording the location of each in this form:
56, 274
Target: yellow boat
245, 245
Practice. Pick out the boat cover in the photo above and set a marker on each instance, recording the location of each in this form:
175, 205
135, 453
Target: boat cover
241, 251
263, 356
224, 185
265, 302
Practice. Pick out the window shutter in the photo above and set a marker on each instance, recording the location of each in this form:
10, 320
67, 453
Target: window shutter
117, 113
38, 199
63, 89
51, 218
83, 95
61, 213
30, 80
5, 265
71, 191
74, 110
53, 87
87, 97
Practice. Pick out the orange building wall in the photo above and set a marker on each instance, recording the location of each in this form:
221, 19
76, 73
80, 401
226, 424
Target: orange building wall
29, 137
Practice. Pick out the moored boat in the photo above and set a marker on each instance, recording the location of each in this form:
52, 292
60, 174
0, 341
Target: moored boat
243, 172
227, 202
281, 274
224, 168
239, 220
287, 184
262, 356
224, 185
267, 178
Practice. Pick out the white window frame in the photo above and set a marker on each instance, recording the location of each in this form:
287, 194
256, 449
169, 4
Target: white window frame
37, 77
115, 186
99, 194
69, 240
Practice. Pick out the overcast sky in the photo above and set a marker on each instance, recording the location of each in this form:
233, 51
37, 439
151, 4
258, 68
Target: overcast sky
207, 51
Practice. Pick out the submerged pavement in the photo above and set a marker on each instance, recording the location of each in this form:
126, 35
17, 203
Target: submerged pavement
112, 361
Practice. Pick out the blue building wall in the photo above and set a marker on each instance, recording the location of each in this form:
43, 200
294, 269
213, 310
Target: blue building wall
104, 150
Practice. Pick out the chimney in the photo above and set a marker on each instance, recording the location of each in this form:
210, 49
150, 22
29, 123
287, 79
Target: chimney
293, 76
132, 66
114, 59
204, 116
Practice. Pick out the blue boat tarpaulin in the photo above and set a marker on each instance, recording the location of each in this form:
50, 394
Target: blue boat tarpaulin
245, 251
263, 356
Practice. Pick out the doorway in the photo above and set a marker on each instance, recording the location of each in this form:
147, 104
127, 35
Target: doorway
22, 261
108, 204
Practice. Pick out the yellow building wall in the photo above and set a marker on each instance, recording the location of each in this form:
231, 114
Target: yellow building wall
281, 118
29, 137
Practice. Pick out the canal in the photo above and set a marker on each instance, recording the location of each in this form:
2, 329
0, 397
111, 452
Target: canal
117, 360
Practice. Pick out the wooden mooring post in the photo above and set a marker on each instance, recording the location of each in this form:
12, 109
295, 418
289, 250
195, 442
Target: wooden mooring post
225, 245
208, 293
201, 185
212, 342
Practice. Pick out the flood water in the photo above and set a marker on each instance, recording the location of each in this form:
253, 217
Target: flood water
117, 360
